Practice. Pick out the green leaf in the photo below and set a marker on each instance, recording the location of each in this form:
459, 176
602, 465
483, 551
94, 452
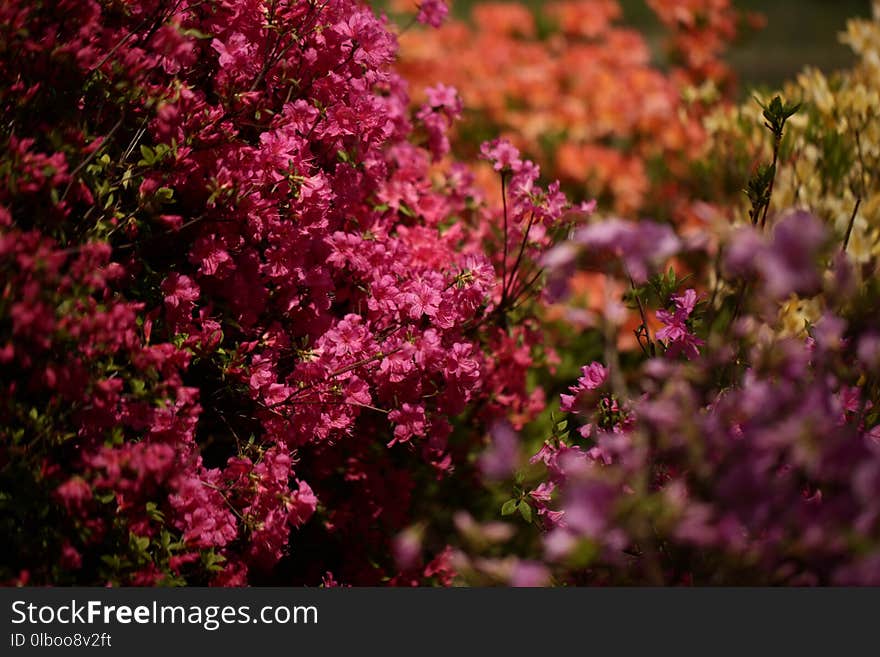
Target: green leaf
525, 510
139, 544
509, 507
213, 561
154, 512
192, 32
148, 156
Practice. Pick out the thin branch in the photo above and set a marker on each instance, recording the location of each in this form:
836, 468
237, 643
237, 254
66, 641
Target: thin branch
91, 156
852, 221
776, 145
504, 260
522, 247
642, 313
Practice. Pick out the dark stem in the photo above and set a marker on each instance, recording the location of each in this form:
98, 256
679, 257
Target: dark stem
642, 314
522, 247
504, 237
852, 221
91, 156
776, 144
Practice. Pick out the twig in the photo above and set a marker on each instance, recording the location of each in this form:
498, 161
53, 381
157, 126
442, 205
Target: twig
504, 260
852, 221
91, 156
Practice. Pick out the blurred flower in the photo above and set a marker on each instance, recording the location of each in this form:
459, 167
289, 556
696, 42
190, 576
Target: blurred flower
432, 12
502, 457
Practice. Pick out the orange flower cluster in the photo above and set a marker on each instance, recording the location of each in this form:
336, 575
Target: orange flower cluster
700, 31
580, 93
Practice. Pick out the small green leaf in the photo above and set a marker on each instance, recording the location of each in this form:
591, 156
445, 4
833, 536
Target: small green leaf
148, 156
509, 507
525, 510
165, 194
154, 512
192, 32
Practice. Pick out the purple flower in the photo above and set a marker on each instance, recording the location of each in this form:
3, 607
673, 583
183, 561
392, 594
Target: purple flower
640, 245
502, 457
786, 263
529, 574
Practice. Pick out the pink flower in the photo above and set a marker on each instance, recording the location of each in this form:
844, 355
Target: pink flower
75, 493
502, 457
181, 293
432, 12
423, 300
444, 98
529, 574
593, 376
407, 547
302, 504
502, 154
675, 332
70, 559
410, 421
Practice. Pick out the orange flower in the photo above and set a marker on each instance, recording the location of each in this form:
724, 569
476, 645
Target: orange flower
586, 18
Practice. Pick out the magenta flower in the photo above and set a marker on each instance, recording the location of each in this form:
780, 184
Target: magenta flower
593, 376
675, 332
432, 12
409, 420
503, 155
446, 99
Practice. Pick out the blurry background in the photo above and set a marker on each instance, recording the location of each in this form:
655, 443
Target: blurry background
798, 33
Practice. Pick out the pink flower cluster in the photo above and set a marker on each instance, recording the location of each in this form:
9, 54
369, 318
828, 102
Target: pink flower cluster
676, 334
245, 305
432, 12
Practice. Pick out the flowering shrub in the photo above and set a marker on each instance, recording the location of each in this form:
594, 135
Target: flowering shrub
242, 308
748, 458
743, 447
570, 84
259, 323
